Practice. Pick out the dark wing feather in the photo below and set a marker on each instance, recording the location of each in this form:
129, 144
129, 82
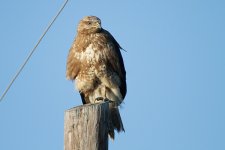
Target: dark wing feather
116, 61
83, 98
73, 65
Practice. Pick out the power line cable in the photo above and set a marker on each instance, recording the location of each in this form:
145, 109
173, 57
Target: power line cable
32, 51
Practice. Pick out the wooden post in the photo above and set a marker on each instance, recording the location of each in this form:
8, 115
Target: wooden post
86, 127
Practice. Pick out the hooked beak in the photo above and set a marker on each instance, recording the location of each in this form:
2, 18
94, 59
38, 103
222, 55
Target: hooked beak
98, 25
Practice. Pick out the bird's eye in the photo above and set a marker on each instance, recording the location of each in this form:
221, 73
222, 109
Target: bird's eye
89, 23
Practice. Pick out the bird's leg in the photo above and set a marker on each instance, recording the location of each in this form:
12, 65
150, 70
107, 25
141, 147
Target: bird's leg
104, 98
100, 97
104, 92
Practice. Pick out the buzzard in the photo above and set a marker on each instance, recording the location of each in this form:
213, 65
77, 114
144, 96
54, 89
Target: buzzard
96, 64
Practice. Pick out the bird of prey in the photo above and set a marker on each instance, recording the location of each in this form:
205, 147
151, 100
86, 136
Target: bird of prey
96, 64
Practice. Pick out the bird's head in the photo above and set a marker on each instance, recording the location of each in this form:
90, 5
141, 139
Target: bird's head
89, 24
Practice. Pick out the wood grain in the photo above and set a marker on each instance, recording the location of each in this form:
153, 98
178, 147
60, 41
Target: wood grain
86, 127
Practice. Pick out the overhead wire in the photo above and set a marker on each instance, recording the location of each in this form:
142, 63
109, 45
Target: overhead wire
32, 51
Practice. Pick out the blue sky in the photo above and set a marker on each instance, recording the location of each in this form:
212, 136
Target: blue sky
175, 64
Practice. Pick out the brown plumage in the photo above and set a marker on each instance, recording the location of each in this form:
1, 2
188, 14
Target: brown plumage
96, 64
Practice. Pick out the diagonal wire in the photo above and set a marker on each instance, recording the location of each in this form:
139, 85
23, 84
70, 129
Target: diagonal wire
32, 51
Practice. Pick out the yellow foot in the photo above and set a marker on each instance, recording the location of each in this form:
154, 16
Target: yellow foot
101, 99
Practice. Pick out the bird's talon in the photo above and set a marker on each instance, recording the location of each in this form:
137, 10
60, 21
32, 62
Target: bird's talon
99, 99
108, 100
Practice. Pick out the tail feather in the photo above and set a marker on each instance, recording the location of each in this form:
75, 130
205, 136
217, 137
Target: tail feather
115, 122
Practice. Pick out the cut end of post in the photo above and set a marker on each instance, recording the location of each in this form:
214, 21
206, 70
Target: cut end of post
86, 127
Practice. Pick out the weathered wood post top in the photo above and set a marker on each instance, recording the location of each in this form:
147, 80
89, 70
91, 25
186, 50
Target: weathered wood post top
86, 127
